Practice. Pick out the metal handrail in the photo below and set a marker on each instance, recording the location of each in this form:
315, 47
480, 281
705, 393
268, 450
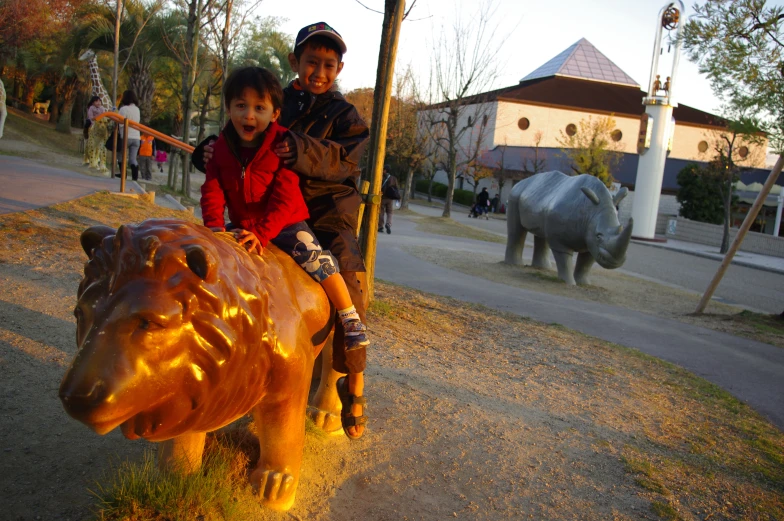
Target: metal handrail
114, 116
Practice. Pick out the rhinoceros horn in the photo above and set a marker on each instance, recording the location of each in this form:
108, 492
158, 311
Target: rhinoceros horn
618, 197
617, 245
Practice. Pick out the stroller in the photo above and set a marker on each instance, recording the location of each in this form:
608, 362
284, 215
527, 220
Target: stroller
477, 210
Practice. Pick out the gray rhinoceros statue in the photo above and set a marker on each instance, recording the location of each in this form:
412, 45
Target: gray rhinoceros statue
567, 214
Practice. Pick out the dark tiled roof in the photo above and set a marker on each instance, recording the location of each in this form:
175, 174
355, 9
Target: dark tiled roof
578, 94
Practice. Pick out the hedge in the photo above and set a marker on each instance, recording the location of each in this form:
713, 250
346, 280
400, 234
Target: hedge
464, 197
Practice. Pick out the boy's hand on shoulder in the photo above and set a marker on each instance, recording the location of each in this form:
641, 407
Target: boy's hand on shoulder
287, 150
249, 241
208, 151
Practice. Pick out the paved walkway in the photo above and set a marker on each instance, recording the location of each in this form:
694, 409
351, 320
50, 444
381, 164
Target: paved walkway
27, 184
751, 371
742, 258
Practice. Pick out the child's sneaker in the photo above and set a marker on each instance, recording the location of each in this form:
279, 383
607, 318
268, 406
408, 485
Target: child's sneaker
355, 334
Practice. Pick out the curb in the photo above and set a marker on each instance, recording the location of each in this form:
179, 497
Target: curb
175, 202
712, 256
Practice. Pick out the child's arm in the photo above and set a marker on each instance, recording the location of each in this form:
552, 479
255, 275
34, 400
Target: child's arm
333, 159
281, 206
213, 201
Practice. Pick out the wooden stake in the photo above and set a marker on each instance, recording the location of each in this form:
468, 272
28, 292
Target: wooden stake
747, 222
379, 138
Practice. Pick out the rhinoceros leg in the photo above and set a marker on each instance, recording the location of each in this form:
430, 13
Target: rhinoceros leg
541, 257
565, 264
182, 453
515, 236
324, 409
583, 267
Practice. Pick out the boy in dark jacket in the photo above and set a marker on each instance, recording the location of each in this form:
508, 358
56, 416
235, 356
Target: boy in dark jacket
325, 141
263, 198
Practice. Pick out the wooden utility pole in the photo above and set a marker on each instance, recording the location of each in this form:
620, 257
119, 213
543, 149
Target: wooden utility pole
747, 222
387, 53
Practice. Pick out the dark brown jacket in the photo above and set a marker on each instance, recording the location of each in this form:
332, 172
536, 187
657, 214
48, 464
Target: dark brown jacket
330, 137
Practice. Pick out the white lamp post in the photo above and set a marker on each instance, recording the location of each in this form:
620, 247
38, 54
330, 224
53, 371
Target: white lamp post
659, 104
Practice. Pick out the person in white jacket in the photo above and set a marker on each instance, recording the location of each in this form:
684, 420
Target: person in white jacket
129, 109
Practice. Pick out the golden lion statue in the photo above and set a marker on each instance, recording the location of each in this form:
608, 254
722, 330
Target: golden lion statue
181, 331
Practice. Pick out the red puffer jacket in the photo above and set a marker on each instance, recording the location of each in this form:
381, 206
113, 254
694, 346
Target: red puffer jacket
262, 197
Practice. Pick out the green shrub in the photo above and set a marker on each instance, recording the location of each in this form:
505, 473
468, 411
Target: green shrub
464, 197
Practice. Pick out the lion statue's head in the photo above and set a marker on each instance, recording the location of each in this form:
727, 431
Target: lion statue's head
172, 330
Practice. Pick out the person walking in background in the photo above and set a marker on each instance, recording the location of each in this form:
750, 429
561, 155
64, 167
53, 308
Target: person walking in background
494, 203
160, 158
481, 205
129, 109
146, 152
389, 194
94, 109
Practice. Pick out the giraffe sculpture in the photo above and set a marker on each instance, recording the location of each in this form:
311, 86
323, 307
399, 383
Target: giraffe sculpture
94, 150
3, 110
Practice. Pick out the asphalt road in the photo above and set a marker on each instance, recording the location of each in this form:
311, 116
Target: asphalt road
751, 371
754, 289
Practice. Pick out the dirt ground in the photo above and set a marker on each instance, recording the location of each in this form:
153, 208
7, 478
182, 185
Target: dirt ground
472, 415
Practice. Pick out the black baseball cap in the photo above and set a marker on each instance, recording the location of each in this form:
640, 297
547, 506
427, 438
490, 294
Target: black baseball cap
322, 28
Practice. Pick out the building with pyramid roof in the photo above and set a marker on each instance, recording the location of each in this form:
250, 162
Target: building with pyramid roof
521, 126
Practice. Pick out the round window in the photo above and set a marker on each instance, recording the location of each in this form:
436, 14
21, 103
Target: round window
571, 129
616, 135
743, 151
702, 146
523, 123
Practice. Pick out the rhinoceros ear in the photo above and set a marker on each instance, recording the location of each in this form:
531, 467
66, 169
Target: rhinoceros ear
198, 261
617, 198
590, 194
93, 236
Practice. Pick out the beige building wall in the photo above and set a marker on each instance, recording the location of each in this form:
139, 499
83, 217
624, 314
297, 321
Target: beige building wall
689, 141
550, 121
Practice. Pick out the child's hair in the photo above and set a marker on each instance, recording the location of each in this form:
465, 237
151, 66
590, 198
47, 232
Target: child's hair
261, 80
316, 43
93, 100
129, 98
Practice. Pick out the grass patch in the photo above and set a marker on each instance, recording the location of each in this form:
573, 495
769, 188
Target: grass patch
184, 199
763, 323
664, 510
42, 133
451, 228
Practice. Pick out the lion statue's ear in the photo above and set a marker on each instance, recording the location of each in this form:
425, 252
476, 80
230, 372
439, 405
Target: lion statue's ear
93, 236
199, 261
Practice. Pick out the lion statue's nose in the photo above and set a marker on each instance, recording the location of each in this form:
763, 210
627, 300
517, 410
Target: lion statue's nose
77, 400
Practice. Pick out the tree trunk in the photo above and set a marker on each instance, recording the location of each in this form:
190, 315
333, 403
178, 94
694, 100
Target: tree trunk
143, 85
54, 107
189, 79
205, 106
725, 238
430, 190
64, 123
407, 189
29, 94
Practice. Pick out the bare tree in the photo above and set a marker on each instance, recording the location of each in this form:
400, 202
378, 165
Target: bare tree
464, 65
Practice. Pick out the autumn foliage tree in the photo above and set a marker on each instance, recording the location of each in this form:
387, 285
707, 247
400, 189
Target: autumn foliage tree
591, 148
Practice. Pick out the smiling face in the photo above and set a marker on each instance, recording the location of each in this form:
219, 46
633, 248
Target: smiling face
317, 68
251, 114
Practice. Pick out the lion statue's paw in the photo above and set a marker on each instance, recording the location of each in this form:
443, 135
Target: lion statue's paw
276, 489
328, 421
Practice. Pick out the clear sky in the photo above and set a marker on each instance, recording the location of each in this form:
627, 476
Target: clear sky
532, 33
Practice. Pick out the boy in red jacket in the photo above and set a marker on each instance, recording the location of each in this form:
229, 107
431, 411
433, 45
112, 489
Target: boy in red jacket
263, 198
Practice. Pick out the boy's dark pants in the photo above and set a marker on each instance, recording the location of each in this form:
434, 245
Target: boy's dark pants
345, 248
